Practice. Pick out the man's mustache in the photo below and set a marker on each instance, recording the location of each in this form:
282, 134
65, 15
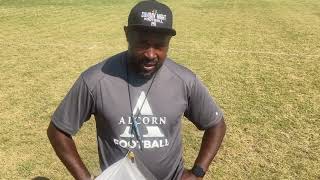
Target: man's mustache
150, 61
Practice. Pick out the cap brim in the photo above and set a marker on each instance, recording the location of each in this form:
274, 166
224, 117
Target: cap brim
139, 27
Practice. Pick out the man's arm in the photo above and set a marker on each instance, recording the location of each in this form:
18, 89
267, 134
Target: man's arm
211, 141
66, 150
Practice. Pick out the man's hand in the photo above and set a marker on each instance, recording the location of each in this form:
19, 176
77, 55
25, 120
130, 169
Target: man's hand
187, 175
66, 150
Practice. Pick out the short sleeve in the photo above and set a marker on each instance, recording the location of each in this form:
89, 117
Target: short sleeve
75, 108
202, 110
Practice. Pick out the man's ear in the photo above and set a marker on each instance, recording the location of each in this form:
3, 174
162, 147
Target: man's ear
125, 28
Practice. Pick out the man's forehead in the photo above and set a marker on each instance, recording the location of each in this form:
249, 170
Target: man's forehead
144, 35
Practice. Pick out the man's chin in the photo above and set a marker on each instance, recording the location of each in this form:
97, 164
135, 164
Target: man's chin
147, 74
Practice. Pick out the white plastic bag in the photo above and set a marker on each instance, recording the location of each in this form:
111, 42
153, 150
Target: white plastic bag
124, 169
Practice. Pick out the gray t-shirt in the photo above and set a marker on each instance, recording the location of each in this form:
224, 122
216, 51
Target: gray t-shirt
103, 90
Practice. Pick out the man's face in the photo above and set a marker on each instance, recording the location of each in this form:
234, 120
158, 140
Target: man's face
147, 51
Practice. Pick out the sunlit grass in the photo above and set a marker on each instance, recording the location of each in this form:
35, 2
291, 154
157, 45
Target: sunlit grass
259, 59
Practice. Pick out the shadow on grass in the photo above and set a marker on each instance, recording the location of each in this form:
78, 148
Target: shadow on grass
40, 178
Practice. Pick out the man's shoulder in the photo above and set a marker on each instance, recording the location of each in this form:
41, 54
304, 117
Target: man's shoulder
180, 71
111, 66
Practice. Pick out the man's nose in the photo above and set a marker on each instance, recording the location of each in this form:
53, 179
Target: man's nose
150, 53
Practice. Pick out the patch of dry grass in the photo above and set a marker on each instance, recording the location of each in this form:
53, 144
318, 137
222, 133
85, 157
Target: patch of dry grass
260, 59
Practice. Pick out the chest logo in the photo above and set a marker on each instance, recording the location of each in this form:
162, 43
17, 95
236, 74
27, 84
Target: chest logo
141, 106
149, 125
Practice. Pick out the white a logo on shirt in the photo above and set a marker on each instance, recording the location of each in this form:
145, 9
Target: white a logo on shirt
141, 106
143, 114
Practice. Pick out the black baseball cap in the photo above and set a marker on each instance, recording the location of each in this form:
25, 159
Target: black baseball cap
151, 16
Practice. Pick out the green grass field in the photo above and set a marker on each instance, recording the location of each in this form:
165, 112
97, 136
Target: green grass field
259, 58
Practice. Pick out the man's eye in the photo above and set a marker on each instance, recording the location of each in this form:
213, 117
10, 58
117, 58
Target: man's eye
141, 45
144, 45
161, 45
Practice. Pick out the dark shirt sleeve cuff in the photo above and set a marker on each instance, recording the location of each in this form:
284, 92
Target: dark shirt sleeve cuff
212, 123
63, 127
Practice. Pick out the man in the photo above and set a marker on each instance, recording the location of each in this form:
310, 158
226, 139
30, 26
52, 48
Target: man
138, 98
